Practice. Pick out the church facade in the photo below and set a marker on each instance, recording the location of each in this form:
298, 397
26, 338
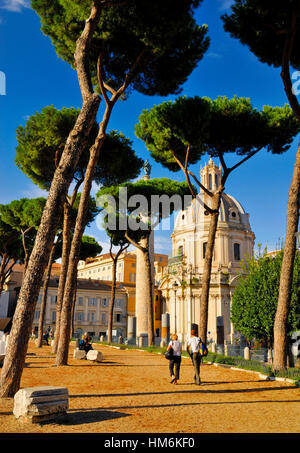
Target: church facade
181, 284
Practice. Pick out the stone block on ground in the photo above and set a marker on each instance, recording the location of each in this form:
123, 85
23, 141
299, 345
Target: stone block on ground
79, 354
95, 356
41, 404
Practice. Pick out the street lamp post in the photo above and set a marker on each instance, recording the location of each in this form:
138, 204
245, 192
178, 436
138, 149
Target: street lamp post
175, 287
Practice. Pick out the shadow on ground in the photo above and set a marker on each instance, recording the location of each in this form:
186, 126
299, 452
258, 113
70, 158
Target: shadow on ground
90, 416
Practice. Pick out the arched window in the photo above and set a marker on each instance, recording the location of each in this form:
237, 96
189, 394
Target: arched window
237, 252
210, 181
180, 250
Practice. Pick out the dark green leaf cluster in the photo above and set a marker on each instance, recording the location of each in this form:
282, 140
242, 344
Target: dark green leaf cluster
10, 241
263, 25
118, 162
255, 298
91, 212
41, 143
162, 189
213, 126
171, 126
24, 213
89, 247
42, 140
164, 33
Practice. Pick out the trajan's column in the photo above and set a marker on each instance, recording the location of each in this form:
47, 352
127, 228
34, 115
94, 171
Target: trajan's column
141, 309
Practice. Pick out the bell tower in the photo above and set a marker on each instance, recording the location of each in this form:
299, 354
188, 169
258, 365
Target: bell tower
211, 175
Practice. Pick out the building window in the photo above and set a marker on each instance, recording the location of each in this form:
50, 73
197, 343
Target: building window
39, 299
91, 316
103, 318
210, 182
79, 316
204, 249
119, 303
132, 277
237, 252
53, 316
180, 250
80, 300
216, 180
118, 318
37, 315
53, 300
105, 302
92, 301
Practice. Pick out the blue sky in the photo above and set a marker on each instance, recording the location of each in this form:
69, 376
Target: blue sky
36, 77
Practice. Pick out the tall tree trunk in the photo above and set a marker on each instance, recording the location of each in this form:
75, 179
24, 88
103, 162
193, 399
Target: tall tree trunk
112, 301
204, 301
22, 323
6, 274
286, 276
66, 315
65, 320
113, 288
3, 265
63, 271
150, 304
44, 299
73, 305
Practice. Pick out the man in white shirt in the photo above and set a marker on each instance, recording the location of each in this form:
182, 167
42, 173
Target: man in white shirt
193, 347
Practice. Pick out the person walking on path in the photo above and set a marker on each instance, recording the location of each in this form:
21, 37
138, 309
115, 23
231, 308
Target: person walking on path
176, 359
193, 348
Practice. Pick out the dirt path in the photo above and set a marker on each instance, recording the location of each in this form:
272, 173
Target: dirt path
129, 392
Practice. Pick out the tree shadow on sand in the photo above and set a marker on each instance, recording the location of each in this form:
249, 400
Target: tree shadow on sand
91, 416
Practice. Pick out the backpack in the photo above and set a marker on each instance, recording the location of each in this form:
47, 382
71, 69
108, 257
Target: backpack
203, 351
169, 354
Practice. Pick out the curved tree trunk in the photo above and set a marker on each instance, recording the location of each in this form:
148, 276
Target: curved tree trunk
22, 323
204, 301
63, 271
65, 320
44, 299
286, 276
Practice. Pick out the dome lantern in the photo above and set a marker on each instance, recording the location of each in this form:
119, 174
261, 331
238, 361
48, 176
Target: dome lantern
211, 175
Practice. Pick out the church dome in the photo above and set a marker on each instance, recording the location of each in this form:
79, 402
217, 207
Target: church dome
231, 211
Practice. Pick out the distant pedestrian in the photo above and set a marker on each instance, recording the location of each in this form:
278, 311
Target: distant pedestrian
85, 344
174, 364
193, 348
45, 337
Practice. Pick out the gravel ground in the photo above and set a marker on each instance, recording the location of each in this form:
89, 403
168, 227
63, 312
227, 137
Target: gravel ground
130, 392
